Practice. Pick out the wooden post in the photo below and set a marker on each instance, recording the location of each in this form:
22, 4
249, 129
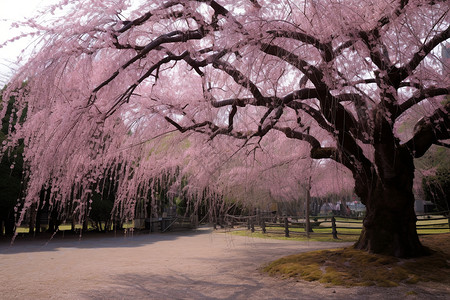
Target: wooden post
263, 226
333, 227
308, 228
286, 227
252, 224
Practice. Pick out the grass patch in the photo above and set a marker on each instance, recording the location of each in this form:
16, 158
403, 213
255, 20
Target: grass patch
300, 236
67, 227
351, 267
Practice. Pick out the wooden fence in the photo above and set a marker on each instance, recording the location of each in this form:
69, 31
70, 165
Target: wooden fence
333, 226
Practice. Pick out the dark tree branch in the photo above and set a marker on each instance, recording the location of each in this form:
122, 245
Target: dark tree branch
430, 130
331, 109
303, 94
315, 114
125, 96
127, 25
373, 43
242, 102
317, 151
442, 144
421, 95
315, 144
194, 127
420, 55
172, 37
342, 47
362, 81
241, 79
324, 48
313, 74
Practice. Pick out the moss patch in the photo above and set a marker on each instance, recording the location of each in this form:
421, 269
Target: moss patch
351, 267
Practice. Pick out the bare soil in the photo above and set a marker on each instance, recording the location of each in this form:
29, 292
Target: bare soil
200, 264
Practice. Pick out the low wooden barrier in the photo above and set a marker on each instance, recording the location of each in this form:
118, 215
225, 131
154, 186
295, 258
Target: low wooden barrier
334, 226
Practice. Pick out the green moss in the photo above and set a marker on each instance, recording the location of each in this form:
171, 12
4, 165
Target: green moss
351, 267
411, 293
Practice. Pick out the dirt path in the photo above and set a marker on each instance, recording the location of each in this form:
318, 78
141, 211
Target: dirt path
193, 265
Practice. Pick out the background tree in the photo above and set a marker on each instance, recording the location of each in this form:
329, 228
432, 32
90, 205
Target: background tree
433, 176
341, 76
436, 188
11, 169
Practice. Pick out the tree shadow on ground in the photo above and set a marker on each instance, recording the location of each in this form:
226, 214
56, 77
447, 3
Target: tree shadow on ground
153, 286
182, 286
89, 240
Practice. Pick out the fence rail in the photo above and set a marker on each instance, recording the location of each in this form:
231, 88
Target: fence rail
334, 226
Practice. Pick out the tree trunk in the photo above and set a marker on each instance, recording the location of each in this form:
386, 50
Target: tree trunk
32, 223
390, 223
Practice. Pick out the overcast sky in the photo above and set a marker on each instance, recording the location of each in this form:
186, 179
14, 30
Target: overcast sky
11, 11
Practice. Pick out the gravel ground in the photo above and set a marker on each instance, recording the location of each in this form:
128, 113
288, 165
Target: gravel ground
201, 264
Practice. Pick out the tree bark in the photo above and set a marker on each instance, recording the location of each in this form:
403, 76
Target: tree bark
390, 223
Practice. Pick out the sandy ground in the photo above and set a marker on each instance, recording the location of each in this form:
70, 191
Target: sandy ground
186, 265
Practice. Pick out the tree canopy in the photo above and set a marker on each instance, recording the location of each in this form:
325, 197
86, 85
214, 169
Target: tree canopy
213, 87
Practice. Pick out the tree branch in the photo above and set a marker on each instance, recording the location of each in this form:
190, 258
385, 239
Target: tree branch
423, 51
241, 79
172, 37
429, 130
421, 95
325, 48
313, 74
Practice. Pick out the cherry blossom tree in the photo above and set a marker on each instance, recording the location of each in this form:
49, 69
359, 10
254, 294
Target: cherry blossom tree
181, 87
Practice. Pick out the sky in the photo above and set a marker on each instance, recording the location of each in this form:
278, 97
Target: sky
12, 11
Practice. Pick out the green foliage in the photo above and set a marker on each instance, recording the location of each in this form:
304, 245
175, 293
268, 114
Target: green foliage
11, 165
436, 188
101, 208
10, 188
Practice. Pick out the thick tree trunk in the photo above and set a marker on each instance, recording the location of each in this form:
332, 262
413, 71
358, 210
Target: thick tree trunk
390, 223
388, 230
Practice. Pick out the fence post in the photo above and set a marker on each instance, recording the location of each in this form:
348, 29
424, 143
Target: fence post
263, 226
286, 227
248, 223
333, 227
252, 224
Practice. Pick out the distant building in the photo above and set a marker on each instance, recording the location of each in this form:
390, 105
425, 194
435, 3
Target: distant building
423, 206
